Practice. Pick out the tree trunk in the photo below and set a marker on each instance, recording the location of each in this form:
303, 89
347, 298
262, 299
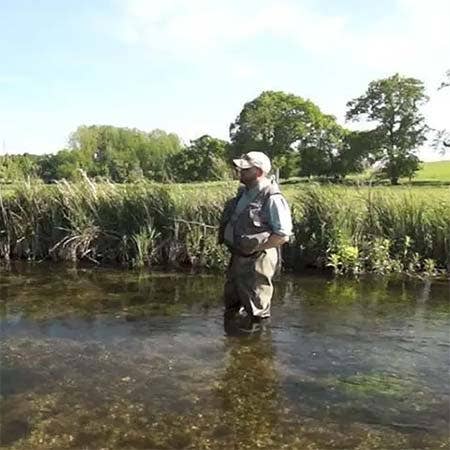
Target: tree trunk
394, 181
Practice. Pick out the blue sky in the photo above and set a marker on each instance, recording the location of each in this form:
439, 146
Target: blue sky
188, 66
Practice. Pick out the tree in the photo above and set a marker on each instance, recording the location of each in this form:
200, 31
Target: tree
202, 160
155, 152
336, 153
124, 154
394, 105
278, 124
18, 167
358, 153
64, 164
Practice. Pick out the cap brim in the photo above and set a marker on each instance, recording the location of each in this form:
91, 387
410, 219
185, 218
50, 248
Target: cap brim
242, 163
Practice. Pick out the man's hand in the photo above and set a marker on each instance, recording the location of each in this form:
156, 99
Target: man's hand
274, 241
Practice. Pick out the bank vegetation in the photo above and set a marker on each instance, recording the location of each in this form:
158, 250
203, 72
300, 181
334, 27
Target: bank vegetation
342, 229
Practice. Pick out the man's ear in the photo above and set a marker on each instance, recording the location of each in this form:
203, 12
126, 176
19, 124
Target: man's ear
259, 172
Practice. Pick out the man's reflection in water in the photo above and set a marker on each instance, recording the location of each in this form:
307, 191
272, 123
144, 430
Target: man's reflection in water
249, 388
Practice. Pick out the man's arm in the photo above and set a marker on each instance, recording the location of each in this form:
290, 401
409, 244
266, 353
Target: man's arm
280, 221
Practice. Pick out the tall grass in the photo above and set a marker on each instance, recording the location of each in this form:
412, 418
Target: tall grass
345, 229
373, 230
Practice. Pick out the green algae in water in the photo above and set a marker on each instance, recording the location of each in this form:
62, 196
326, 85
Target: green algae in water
378, 384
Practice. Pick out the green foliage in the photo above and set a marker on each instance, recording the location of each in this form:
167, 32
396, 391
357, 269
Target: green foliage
366, 230
145, 242
15, 168
338, 152
102, 152
122, 154
282, 125
63, 165
203, 160
378, 255
140, 224
345, 259
380, 230
393, 104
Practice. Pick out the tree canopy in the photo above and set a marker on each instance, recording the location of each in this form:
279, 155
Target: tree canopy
285, 126
393, 105
202, 160
124, 154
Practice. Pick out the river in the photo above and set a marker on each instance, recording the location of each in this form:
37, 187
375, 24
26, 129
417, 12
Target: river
97, 358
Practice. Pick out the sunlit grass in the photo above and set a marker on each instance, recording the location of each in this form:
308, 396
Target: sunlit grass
435, 171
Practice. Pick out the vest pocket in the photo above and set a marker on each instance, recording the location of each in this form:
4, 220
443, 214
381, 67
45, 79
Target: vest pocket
255, 216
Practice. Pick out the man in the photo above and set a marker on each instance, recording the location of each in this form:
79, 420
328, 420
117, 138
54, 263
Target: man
254, 225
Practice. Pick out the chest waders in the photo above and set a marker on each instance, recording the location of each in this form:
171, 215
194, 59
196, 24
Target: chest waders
250, 273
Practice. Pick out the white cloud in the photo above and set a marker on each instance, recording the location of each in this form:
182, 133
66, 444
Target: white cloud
413, 36
195, 27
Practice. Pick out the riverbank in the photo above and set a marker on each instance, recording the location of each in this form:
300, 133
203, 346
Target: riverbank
344, 229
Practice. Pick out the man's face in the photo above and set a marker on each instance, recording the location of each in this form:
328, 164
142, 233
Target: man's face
249, 176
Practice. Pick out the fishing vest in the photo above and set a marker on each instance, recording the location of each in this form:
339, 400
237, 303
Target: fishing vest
252, 225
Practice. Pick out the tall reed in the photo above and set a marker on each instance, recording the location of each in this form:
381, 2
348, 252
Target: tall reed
346, 229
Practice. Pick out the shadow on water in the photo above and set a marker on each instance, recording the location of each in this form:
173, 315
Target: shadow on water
109, 359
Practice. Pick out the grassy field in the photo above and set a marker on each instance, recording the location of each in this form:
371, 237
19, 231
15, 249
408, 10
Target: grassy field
434, 171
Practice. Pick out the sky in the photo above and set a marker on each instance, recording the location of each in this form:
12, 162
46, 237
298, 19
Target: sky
189, 66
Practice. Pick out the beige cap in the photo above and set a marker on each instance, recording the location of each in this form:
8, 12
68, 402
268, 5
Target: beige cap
253, 159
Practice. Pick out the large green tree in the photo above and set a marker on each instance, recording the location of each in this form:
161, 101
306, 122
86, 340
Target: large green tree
280, 125
393, 105
202, 160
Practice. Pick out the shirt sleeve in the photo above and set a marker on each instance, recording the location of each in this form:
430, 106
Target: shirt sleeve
279, 215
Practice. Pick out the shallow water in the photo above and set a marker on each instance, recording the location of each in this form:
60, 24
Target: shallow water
110, 359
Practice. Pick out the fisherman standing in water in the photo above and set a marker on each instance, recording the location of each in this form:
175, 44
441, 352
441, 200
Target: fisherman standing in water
254, 225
